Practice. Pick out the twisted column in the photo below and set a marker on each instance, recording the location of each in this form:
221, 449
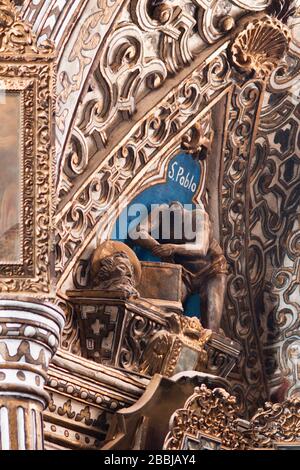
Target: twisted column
29, 336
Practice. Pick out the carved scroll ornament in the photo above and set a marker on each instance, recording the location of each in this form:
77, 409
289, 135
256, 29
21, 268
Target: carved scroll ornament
166, 349
276, 423
16, 37
212, 413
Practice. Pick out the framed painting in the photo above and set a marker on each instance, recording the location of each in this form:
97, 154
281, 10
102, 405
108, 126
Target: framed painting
27, 78
11, 117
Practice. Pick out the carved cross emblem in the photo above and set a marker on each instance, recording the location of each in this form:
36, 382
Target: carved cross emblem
97, 326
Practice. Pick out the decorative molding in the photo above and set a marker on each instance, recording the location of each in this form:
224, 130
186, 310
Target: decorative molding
28, 69
29, 337
84, 398
83, 81
240, 315
274, 232
164, 349
165, 126
86, 381
94, 176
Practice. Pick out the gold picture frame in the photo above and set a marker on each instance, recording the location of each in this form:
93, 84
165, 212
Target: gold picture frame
27, 77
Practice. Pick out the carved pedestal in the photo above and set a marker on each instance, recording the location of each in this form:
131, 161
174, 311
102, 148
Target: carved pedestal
29, 337
139, 336
114, 331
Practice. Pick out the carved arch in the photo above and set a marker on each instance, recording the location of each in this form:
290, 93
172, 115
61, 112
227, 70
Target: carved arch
101, 180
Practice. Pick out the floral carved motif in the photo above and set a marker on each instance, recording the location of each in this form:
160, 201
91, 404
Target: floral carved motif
279, 422
211, 412
16, 37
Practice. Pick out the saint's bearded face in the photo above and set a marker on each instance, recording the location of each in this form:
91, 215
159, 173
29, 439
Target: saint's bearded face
117, 266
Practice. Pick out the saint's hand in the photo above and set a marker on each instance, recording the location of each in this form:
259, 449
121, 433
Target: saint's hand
163, 251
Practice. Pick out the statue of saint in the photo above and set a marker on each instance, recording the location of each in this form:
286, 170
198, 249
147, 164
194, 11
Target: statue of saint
115, 267
185, 237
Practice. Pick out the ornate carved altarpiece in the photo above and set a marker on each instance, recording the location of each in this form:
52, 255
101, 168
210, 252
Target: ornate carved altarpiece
135, 81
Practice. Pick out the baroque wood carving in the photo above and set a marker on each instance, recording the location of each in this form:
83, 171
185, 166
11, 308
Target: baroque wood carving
27, 71
212, 413
95, 173
276, 424
274, 228
101, 193
261, 46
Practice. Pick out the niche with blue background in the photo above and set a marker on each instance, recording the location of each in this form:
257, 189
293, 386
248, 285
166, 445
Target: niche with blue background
182, 184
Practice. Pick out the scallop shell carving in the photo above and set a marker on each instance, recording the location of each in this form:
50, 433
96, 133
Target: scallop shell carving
261, 46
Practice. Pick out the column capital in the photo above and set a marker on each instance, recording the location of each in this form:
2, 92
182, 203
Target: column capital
29, 337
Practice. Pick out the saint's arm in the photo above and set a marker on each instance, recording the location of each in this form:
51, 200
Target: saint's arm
141, 234
203, 239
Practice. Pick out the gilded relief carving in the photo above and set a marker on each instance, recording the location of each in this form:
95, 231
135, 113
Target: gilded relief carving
10, 178
108, 83
275, 424
240, 318
21, 62
100, 194
169, 352
212, 413
275, 249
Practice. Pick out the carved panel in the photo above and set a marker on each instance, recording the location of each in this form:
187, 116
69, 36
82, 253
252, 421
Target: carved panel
157, 40
96, 173
276, 425
274, 231
84, 397
99, 196
240, 315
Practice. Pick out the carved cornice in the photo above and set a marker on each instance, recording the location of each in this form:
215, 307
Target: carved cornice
104, 387
84, 397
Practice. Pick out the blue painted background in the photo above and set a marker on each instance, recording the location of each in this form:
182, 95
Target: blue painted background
183, 180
